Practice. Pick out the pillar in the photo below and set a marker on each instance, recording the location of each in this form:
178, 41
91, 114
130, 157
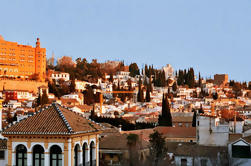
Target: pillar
46, 158
70, 159
29, 158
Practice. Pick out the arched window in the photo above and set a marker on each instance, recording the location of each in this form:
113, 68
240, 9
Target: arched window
21, 155
55, 156
92, 154
76, 155
38, 155
85, 154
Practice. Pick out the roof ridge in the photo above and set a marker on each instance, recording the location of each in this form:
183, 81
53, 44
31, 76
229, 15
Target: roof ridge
63, 118
82, 115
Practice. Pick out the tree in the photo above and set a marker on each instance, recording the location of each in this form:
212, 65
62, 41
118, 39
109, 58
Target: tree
133, 69
157, 147
215, 96
165, 119
72, 85
132, 140
44, 98
148, 95
89, 97
200, 81
237, 89
140, 96
111, 78
174, 87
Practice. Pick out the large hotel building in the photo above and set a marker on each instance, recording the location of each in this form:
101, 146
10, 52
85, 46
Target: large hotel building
22, 61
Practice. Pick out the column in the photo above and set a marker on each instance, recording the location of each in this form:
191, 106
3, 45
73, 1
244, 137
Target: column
69, 153
80, 156
29, 158
46, 158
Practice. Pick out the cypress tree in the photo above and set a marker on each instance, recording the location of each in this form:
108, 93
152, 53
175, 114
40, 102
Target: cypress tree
199, 80
148, 95
165, 119
140, 92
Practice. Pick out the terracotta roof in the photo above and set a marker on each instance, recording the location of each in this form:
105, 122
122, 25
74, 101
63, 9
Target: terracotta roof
118, 141
177, 132
54, 119
182, 119
193, 150
143, 133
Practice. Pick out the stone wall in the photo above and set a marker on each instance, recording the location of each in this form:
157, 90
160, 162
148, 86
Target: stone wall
26, 85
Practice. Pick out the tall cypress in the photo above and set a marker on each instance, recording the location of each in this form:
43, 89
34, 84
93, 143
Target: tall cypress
148, 95
165, 119
140, 92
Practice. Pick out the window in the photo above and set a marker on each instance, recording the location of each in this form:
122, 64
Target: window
21, 155
203, 162
76, 155
85, 154
55, 156
241, 151
38, 155
2, 155
92, 154
183, 162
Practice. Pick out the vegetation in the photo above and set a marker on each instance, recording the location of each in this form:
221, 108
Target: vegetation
133, 69
140, 96
186, 77
165, 119
132, 140
158, 149
120, 121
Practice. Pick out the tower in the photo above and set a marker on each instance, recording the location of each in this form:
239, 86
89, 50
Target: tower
40, 61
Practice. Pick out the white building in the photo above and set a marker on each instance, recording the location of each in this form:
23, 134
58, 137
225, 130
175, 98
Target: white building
78, 96
168, 69
80, 86
59, 76
210, 132
63, 138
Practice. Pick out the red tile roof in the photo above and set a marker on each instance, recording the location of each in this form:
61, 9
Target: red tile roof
177, 132
54, 120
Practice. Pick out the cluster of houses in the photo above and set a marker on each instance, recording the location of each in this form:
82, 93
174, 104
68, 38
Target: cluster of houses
62, 134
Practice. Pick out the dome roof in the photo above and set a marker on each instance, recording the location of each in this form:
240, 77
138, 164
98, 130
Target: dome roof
1, 37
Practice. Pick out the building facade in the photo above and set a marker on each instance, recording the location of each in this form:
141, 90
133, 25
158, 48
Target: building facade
220, 79
22, 61
55, 136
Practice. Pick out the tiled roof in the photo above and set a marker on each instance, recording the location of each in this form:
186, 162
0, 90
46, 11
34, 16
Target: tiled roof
188, 119
177, 132
195, 150
119, 141
54, 119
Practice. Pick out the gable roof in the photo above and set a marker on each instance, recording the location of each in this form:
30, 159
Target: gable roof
54, 120
177, 132
118, 141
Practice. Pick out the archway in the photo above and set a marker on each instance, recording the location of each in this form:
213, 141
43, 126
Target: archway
76, 155
92, 154
21, 155
38, 155
55, 156
85, 154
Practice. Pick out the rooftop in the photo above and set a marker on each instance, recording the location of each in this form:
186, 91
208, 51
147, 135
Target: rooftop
55, 120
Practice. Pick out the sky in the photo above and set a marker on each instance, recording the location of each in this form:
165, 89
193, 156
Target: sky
212, 36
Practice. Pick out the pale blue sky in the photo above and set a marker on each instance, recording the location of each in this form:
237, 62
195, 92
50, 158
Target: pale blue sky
213, 36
